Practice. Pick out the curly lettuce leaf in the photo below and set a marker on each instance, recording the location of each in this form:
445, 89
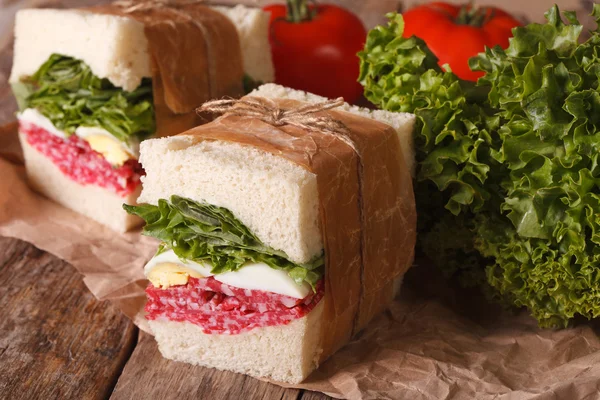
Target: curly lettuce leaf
66, 91
454, 134
203, 232
546, 87
514, 161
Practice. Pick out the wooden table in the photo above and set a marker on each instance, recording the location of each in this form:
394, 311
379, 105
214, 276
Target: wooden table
58, 342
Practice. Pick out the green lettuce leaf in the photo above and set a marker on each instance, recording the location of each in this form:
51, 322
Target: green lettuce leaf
250, 84
508, 170
66, 91
203, 232
454, 134
545, 86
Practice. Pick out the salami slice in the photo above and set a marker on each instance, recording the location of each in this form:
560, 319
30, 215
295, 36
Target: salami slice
222, 309
76, 159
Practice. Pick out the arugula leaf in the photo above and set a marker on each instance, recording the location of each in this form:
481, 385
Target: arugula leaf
509, 170
198, 231
66, 91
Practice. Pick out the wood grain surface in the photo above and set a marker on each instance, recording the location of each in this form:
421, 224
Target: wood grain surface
146, 365
58, 342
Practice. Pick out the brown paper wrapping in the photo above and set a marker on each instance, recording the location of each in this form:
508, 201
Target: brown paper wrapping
196, 56
368, 216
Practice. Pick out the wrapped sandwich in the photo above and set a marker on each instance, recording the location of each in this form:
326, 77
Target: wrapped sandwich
93, 83
286, 225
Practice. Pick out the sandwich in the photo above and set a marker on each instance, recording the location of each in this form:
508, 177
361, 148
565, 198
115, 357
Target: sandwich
279, 240
93, 83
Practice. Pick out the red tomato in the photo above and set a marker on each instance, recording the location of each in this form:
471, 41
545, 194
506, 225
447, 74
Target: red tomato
318, 55
456, 33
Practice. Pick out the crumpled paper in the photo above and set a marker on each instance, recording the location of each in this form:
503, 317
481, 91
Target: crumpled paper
434, 342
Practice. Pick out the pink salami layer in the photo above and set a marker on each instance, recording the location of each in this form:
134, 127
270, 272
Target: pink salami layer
76, 159
222, 309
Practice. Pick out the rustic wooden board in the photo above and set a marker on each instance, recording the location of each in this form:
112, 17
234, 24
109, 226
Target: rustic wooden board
157, 378
56, 340
308, 395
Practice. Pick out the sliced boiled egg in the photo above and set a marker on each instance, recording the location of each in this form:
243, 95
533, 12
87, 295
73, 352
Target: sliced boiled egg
33, 116
169, 274
252, 276
100, 140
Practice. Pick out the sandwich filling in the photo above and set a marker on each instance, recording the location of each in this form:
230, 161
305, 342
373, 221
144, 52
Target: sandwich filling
211, 270
219, 308
86, 126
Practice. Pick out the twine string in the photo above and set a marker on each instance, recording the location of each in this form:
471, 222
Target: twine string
266, 110
131, 6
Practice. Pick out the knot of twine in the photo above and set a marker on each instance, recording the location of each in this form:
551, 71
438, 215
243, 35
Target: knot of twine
266, 110
130, 6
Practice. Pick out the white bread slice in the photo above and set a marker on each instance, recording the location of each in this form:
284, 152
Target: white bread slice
115, 47
284, 353
92, 201
275, 198
253, 30
403, 123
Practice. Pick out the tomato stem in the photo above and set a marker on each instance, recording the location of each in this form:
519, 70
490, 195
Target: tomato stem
471, 15
298, 11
